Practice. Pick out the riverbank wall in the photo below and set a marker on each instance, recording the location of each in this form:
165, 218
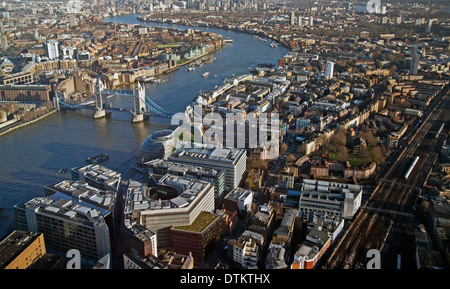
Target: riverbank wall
16, 126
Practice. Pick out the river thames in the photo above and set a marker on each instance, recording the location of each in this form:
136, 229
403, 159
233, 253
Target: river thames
33, 155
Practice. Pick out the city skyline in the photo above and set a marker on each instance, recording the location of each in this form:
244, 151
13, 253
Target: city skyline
139, 136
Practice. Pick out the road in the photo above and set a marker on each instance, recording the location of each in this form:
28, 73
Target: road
386, 222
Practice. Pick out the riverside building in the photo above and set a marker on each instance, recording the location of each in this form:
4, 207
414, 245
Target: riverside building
66, 226
98, 176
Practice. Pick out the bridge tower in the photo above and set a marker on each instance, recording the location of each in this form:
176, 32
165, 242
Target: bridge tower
99, 109
140, 108
56, 102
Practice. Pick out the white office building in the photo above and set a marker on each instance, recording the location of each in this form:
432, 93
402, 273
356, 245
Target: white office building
329, 69
333, 198
232, 160
52, 49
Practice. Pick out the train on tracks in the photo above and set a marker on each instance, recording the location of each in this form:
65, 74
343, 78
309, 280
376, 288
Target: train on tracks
411, 167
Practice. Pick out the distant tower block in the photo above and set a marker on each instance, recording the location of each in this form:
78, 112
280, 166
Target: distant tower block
140, 108
414, 68
428, 27
329, 69
99, 111
292, 18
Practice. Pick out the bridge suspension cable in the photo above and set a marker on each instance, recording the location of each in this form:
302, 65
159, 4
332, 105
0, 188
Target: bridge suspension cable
153, 108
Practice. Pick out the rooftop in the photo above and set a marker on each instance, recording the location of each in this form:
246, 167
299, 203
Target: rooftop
100, 173
83, 192
201, 223
172, 167
238, 194
64, 208
171, 192
207, 153
13, 244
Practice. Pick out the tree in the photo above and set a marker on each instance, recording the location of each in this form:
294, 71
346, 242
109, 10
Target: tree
342, 153
283, 148
257, 164
338, 139
290, 158
376, 156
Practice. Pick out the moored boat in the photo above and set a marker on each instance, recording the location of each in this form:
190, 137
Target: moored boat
97, 158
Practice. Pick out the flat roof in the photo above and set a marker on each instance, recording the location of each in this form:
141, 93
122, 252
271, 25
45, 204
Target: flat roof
13, 244
203, 220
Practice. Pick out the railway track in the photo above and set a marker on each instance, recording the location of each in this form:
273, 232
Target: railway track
385, 221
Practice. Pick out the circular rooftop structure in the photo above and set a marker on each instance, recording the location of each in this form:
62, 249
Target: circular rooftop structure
163, 193
162, 135
158, 145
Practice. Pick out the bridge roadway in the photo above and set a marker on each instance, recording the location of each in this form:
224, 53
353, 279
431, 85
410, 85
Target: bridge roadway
385, 222
151, 108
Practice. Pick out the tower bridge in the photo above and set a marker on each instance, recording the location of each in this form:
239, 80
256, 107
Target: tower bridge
143, 106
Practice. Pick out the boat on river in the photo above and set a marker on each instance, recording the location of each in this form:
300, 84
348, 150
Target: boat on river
97, 158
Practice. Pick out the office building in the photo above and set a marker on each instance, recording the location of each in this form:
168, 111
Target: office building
194, 239
134, 235
82, 192
232, 160
173, 201
52, 49
329, 69
161, 167
66, 226
428, 27
239, 200
98, 176
334, 198
20, 249
415, 61
292, 18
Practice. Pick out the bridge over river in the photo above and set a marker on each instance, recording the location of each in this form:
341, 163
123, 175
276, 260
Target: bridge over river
143, 106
